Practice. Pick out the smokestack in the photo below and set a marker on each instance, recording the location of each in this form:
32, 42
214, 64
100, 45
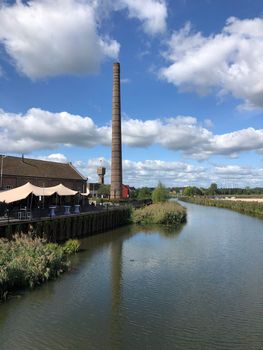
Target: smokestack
116, 153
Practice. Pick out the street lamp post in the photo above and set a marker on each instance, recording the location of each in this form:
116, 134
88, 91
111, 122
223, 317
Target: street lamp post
2, 163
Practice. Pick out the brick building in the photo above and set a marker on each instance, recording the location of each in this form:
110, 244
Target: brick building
16, 171
125, 191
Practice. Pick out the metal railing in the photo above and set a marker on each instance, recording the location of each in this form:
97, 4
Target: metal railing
25, 214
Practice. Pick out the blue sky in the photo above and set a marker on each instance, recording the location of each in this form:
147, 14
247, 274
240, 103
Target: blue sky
192, 88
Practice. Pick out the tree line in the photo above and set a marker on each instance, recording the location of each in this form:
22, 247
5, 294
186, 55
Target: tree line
156, 195
162, 193
214, 190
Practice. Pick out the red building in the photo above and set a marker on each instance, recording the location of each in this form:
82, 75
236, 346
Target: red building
125, 191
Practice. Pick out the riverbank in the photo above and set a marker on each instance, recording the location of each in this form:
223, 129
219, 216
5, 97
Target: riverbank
26, 262
245, 199
63, 228
252, 208
167, 213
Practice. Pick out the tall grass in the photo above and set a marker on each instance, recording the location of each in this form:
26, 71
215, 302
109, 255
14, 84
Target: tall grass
27, 262
168, 213
249, 208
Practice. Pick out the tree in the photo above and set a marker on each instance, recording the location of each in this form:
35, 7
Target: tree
133, 194
104, 190
144, 193
192, 191
213, 189
160, 194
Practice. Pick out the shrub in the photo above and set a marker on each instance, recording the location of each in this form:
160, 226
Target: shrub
27, 262
169, 213
71, 246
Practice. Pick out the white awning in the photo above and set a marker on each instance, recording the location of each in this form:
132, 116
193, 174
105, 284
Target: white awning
19, 193
62, 190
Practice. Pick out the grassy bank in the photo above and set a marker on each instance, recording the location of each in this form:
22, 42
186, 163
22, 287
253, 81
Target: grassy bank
249, 208
27, 262
167, 213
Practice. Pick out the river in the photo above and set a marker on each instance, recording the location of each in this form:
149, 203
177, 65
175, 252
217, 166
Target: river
199, 287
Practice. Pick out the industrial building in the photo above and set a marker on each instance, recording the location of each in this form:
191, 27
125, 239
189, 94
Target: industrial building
17, 171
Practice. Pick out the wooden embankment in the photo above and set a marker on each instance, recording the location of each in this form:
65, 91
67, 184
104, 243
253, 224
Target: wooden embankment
62, 228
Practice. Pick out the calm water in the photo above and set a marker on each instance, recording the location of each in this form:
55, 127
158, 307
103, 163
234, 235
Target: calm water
197, 288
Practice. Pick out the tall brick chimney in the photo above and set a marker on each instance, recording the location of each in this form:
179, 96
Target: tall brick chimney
116, 152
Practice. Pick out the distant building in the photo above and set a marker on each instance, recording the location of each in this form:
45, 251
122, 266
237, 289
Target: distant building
125, 191
16, 171
93, 188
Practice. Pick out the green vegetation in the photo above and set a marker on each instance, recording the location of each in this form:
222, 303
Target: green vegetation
192, 191
27, 262
161, 212
144, 193
168, 213
71, 246
249, 208
215, 190
160, 194
104, 190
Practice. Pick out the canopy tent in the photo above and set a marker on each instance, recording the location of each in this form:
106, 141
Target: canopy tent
60, 189
19, 193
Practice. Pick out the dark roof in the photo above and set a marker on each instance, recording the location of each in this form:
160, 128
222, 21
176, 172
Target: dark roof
39, 168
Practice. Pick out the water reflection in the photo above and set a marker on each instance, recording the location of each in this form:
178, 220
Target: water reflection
116, 291
166, 231
197, 287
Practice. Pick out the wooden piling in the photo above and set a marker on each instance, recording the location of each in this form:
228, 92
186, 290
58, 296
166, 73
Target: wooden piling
62, 228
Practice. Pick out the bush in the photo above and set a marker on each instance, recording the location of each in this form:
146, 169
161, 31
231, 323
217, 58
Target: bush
169, 213
26, 262
71, 246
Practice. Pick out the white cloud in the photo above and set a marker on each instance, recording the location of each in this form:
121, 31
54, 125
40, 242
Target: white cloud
125, 81
232, 170
46, 38
54, 157
146, 173
230, 61
186, 135
38, 129
150, 172
51, 37
152, 13
238, 176
238, 141
208, 123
